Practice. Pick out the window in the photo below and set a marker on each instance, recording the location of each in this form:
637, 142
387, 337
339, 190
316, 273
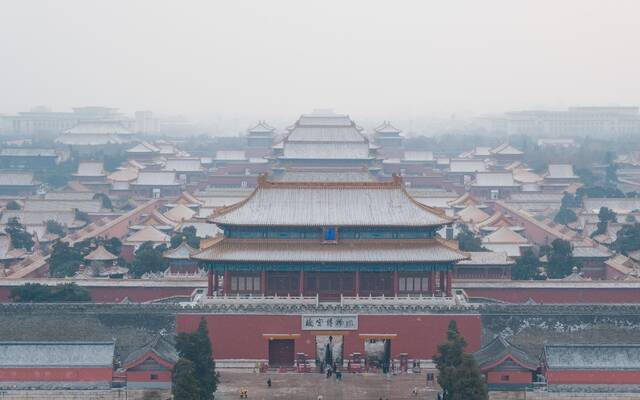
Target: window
153, 377
504, 378
494, 194
413, 284
330, 234
245, 283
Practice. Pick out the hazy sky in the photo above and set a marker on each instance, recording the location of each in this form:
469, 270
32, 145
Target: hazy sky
269, 57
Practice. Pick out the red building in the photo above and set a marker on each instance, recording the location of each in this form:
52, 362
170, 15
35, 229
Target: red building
505, 366
592, 367
151, 366
56, 365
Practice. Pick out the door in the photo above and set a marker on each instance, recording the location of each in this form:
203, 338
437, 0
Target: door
281, 352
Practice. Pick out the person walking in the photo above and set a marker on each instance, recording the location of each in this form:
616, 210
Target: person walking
269, 382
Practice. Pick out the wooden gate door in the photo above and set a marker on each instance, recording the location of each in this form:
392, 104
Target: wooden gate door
281, 352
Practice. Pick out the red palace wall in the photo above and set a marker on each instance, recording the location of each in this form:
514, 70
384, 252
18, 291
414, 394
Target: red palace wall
246, 336
56, 374
593, 377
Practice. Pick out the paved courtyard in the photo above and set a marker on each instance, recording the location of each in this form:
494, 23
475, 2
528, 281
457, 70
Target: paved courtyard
293, 386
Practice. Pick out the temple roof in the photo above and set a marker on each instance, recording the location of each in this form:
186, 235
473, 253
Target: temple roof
159, 346
148, 234
183, 165
16, 178
504, 235
156, 178
386, 127
354, 251
326, 151
499, 349
100, 254
56, 354
468, 166
231, 155
90, 169
560, 171
330, 204
592, 356
472, 214
182, 252
326, 134
494, 179
506, 149
180, 213
261, 128
325, 176
487, 258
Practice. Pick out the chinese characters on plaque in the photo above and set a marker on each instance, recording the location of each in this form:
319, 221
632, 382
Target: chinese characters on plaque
329, 322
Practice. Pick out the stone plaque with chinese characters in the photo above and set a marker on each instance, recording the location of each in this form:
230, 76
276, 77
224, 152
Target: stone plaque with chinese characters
329, 322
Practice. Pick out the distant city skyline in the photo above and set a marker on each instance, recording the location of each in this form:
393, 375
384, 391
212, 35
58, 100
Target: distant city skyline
283, 58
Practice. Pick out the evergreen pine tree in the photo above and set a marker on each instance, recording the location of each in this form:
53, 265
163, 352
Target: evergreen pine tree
185, 384
468, 381
449, 357
196, 347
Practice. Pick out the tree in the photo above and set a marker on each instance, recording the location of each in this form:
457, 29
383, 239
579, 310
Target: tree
560, 259
196, 347
83, 216
148, 259
605, 215
185, 384
64, 260
526, 267
627, 239
20, 238
449, 357
569, 201
55, 228
468, 381
188, 234
565, 216
467, 241
37, 293
13, 205
105, 200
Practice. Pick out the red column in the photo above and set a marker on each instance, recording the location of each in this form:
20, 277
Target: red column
395, 283
449, 288
263, 282
357, 282
432, 283
441, 282
226, 285
210, 282
301, 283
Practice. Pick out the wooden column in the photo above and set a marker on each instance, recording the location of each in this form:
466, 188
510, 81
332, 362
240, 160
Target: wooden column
226, 284
210, 282
395, 283
441, 282
432, 283
357, 282
449, 288
301, 283
263, 282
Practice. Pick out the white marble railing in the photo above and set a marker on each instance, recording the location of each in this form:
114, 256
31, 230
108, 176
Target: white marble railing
238, 299
458, 298
399, 300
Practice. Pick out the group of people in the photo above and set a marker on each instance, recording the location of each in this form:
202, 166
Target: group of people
331, 369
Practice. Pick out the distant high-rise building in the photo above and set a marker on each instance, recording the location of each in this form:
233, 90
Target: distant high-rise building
573, 121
